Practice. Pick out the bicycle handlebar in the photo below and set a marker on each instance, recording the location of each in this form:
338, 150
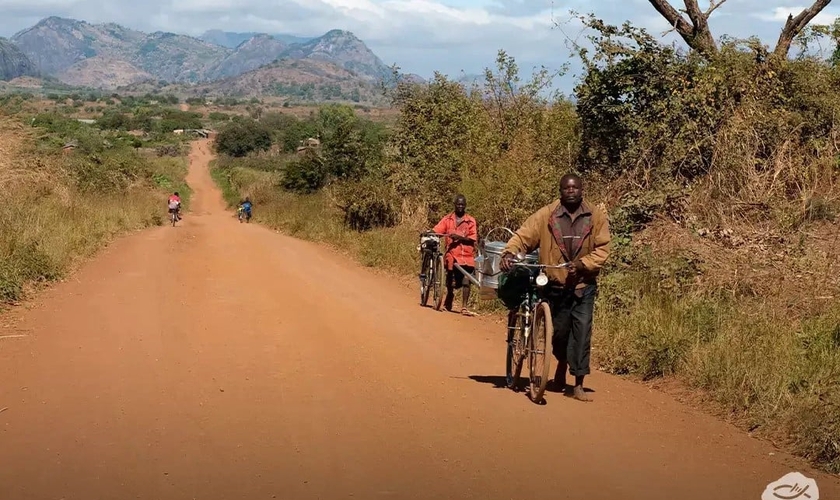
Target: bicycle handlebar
542, 266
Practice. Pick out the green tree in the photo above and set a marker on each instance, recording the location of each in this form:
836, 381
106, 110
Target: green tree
243, 136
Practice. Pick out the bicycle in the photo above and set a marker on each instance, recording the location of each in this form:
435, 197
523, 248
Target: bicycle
173, 216
530, 328
432, 270
242, 215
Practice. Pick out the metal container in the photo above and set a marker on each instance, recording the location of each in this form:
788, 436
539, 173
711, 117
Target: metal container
489, 261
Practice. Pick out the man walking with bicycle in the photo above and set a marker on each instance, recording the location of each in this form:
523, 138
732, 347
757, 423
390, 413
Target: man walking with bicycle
461, 230
567, 230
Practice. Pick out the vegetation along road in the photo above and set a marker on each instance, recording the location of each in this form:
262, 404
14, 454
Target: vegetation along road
221, 360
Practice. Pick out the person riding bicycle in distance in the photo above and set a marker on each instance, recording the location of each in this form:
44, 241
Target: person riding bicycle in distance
462, 234
174, 204
246, 207
567, 230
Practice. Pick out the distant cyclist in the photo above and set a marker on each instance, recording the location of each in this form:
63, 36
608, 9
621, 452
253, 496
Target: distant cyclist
175, 205
245, 207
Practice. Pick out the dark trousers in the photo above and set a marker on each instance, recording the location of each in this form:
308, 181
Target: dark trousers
572, 318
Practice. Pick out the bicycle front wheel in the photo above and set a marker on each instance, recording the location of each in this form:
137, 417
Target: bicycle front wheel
439, 279
425, 270
515, 348
539, 351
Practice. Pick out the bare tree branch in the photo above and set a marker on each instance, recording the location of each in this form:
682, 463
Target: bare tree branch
694, 31
713, 7
795, 25
672, 16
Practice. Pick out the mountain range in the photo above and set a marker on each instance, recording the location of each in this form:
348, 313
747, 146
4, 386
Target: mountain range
110, 56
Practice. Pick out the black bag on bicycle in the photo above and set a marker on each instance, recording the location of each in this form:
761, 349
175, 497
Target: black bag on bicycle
513, 286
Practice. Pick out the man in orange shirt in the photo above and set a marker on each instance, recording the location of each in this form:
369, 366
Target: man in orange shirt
462, 235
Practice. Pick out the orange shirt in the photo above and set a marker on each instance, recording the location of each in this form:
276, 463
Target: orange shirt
458, 252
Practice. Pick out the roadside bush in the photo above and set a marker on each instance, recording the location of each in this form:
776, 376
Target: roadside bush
367, 204
305, 174
241, 137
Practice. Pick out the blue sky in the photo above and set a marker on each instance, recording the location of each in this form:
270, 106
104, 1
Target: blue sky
419, 35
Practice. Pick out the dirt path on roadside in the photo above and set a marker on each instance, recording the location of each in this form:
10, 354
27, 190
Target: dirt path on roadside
218, 360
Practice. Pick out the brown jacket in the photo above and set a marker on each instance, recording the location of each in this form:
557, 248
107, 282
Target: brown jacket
594, 249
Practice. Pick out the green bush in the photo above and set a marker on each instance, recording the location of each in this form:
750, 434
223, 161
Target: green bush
241, 137
367, 204
305, 174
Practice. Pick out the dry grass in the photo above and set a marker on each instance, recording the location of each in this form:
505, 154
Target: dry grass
47, 224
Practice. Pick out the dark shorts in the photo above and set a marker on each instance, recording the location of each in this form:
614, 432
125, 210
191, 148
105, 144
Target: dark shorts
456, 279
173, 210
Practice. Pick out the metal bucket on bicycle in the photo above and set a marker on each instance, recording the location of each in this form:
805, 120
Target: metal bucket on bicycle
488, 263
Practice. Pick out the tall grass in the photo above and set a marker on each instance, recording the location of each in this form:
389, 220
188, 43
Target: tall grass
772, 374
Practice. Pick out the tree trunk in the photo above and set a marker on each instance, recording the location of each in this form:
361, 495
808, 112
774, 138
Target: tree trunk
795, 25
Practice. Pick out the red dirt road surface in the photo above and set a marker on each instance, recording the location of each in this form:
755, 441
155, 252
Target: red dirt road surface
219, 360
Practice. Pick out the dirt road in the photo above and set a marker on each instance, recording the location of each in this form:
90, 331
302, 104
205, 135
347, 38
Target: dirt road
219, 360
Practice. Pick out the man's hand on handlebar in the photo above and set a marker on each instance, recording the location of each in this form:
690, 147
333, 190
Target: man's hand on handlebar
507, 262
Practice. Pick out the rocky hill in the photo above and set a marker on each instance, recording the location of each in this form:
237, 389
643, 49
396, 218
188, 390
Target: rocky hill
105, 72
109, 55
344, 49
232, 40
257, 51
13, 62
55, 45
301, 80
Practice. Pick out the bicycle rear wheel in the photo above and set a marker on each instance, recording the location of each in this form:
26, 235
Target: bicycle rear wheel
539, 351
439, 279
515, 348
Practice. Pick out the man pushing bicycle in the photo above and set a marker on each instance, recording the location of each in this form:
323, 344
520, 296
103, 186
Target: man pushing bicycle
567, 230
